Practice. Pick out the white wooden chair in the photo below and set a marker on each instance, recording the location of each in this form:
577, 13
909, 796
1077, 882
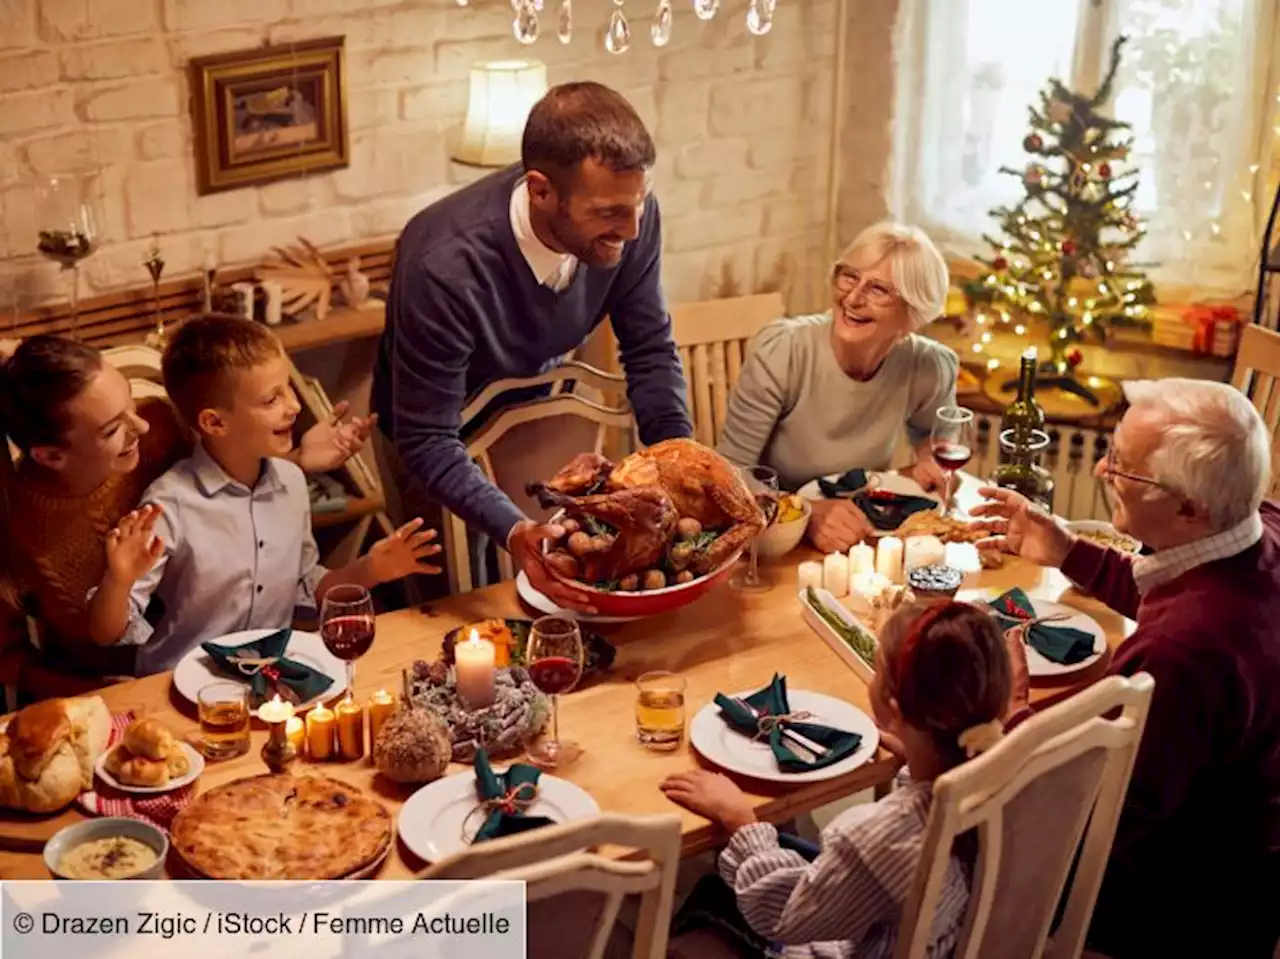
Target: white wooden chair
1029, 800
574, 895
141, 364
480, 446
714, 338
1257, 376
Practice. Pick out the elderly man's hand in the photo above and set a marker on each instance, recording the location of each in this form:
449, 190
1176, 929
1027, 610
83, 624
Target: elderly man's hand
1022, 528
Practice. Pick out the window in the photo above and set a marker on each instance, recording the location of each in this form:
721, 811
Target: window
1193, 83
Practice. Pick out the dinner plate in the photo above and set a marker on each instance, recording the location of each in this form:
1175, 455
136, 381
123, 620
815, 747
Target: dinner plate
437, 821
543, 605
194, 759
1037, 665
1098, 531
196, 669
729, 749
891, 481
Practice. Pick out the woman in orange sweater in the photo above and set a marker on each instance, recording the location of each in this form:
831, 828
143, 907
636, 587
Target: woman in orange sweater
87, 453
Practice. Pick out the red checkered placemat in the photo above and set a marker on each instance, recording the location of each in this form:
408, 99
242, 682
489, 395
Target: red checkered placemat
158, 809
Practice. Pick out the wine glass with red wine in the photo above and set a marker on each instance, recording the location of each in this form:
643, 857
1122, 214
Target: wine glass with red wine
554, 658
952, 443
347, 625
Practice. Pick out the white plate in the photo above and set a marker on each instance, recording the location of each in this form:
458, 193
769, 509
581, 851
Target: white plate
197, 669
431, 822
1037, 665
543, 605
729, 749
1082, 526
194, 758
889, 480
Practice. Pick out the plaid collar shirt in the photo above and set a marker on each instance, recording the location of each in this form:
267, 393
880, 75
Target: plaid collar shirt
1168, 564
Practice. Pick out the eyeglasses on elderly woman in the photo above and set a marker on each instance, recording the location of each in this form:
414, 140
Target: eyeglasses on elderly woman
846, 279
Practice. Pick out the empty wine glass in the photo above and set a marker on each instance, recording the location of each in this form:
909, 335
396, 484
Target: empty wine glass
347, 625
762, 481
554, 659
952, 445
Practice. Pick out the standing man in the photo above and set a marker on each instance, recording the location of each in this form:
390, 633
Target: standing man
509, 275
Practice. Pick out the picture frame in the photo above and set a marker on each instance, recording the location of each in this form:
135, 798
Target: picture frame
269, 114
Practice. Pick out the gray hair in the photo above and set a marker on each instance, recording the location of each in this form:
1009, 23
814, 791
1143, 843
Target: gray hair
1214, 448
918, 269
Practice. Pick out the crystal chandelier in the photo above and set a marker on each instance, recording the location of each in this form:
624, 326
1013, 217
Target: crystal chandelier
617, 38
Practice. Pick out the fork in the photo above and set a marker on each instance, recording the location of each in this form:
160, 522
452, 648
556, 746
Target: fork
815, 751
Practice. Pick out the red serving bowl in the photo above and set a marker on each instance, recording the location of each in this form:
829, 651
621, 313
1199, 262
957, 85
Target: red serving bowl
650, 602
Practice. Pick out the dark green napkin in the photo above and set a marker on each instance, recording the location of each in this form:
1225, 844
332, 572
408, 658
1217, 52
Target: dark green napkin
885, 510
772, 701
509, 820
1060, 644
294, 681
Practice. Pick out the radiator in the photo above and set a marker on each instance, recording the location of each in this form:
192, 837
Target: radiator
1071, 456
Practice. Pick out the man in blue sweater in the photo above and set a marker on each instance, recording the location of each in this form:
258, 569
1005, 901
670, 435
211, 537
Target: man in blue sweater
509, 275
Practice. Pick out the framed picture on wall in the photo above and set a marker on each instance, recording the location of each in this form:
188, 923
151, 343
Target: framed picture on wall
269, 113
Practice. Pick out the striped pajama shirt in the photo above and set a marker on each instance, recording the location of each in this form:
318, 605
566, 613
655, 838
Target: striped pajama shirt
847, 903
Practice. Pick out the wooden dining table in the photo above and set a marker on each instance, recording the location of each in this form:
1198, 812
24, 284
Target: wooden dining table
727, 641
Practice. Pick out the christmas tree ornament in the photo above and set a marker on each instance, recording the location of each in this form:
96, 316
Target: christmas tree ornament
1032, 143
1104, 170
1078, 179
1074, 358
1034, 175
1068, 247
1000, 263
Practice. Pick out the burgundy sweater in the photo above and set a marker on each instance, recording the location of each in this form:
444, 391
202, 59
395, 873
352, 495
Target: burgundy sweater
1195, 869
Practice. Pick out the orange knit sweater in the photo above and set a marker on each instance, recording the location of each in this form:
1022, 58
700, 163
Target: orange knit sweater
54, 554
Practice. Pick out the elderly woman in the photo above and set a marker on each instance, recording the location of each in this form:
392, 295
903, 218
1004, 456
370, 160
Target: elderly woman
826, 393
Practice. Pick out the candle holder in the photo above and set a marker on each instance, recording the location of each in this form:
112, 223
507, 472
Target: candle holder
278, 753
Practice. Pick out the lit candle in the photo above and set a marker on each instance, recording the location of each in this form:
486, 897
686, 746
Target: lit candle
862, 558
835, 575
810, 575
923, 551
865, 590
296, 732
276, 711
889, 558
474, 670
382, 706
350, 728
320, 723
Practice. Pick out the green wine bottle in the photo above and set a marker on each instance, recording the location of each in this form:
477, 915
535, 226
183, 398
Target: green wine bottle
1024, 414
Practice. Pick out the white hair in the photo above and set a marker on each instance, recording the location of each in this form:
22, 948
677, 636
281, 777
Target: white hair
1214, 448
918, 269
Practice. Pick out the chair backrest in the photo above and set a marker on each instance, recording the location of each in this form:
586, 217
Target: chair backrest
141, 364
1257, 376
1029, 800
574, 896
606, 418
714, 339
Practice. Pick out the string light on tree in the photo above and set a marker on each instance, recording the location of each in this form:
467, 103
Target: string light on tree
1064, 248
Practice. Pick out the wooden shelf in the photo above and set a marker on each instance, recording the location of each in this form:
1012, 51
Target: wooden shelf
357, 508
342, 325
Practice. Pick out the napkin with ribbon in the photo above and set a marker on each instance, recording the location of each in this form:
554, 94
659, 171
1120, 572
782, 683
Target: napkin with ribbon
775, 714
1060, 644
504, 797
885, 510
159, 810
264, 666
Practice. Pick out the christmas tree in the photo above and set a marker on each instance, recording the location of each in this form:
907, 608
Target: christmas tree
1066, 244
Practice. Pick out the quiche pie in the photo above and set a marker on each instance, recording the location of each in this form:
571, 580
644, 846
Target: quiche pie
282, 827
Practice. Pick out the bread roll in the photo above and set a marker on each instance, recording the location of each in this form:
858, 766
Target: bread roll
50, 751
149, 738
36, 733
177, 762
91, 725
134, 770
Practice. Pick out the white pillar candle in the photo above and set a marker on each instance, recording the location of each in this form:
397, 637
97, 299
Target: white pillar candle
889, 558
922, 551
865, 590
835, 575
810, 574
244, 298
275, 302
862, 559
962, 556
474, 671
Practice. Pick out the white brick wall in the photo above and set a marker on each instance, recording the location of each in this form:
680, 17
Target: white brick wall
98, 89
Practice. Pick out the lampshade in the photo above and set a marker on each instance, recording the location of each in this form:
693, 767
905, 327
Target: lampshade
501, 96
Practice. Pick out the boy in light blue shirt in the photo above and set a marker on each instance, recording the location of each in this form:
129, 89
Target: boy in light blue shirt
223, 538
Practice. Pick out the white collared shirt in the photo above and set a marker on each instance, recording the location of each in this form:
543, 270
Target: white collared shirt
1168, 564
550, 268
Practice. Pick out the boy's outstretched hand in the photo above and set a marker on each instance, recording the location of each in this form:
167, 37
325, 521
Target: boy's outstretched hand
329, 444
402, 553
133, 547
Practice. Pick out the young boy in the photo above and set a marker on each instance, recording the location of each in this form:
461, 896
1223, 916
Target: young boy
224, 537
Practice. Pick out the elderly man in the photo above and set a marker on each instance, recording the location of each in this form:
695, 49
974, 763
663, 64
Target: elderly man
510, 274
1195, 870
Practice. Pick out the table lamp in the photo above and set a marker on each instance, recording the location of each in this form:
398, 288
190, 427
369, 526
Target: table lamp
501, 95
